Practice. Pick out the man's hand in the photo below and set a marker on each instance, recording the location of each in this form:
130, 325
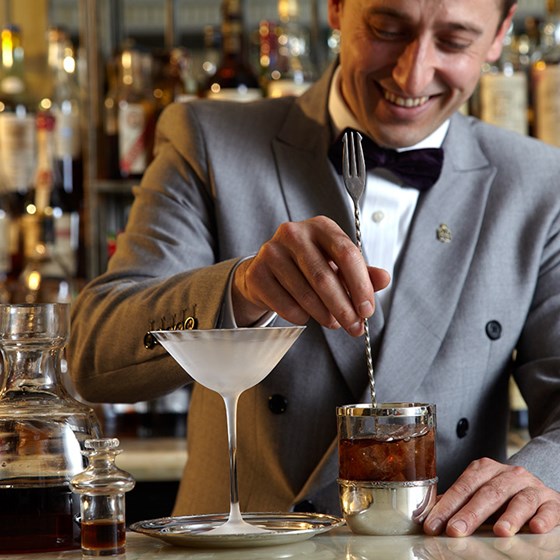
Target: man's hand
487, 487
308, 269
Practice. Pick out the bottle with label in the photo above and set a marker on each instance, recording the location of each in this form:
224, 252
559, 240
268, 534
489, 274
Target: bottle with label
293, 73
17, 119
546, 79
136, 112
503, 90
234, 78
46, 276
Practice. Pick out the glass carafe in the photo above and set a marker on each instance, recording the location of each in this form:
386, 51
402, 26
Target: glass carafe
42, 432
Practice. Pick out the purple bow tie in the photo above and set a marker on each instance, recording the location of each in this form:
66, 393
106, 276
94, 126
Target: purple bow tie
419, 169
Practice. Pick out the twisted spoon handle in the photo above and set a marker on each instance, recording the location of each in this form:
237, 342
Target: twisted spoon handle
369, 358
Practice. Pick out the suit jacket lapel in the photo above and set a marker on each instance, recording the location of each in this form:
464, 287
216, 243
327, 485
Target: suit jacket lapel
308, 181
430, 277
312, 187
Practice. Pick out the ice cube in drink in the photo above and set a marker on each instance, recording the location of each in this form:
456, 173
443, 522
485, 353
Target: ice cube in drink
394, 459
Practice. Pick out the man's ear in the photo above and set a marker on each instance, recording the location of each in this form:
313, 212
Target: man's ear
334, 13
496, 47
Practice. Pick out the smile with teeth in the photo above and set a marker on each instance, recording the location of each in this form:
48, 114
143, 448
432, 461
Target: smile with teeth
405, 101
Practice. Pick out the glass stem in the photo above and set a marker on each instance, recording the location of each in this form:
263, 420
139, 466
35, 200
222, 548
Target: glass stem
231, 415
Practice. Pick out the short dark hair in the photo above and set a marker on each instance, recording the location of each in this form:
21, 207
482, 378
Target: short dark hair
507, 4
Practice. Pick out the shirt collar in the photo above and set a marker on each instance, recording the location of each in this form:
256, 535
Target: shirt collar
342, 117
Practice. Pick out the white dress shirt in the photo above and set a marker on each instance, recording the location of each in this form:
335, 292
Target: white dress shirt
388, 204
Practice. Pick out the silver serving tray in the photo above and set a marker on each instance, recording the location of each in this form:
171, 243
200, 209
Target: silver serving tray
192, 530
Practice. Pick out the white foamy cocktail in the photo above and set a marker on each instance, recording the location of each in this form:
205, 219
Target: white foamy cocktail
229, 361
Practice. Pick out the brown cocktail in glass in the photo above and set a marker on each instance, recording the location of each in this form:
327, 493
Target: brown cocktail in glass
387, 466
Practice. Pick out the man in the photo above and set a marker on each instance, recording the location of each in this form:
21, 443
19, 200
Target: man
474, 262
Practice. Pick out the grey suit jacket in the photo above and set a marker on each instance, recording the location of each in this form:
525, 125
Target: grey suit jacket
224, 177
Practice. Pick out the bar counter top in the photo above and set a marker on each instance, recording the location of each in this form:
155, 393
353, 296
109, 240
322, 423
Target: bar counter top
153, 458
340, 544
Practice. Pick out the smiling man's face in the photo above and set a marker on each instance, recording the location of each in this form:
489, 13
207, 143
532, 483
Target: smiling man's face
408, 65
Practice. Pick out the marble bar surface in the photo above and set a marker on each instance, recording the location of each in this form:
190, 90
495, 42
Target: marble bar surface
341, 544
153, 459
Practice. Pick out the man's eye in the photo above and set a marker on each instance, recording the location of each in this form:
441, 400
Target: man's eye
388, 34
452, 44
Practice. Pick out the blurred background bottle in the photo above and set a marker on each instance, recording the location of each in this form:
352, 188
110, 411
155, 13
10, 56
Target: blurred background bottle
211, 55
46, 277
17, 116
234, 78
18, 148
293, 72
175, 79
503, 89
546, 78
137, 112
67, 195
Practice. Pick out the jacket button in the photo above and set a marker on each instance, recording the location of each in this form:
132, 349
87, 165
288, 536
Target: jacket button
150, 341
462, 428
277, 404
305, 506
493, 330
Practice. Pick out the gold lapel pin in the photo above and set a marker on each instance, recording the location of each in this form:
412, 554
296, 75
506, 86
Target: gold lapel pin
443, 234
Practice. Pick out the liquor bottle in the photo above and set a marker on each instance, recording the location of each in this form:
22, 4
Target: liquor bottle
503, 90
67, 194
546, 79
294, 72
183, 73
234, 78
17, 121
136, 112
528, 51
45, 277
174, 80
212, 53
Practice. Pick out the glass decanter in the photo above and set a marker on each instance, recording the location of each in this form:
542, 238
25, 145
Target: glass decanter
42, 432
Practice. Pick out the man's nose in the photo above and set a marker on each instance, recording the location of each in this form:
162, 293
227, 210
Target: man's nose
415, 67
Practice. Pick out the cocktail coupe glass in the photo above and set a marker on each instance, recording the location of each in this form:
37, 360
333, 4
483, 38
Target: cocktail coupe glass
230, 361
